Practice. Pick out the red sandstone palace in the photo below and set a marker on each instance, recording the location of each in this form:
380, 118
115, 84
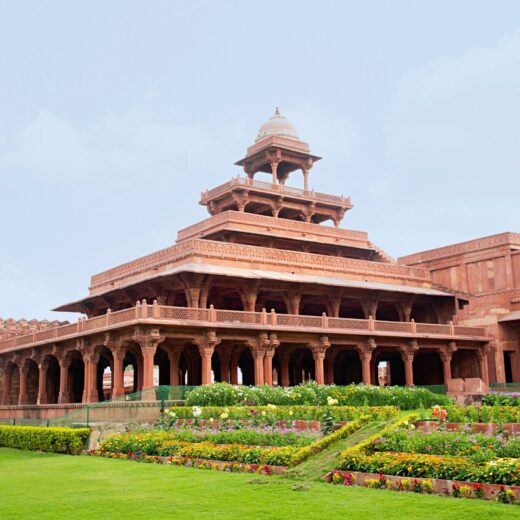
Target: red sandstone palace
262, 292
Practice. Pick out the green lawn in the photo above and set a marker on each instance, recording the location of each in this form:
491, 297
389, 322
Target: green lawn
42, 485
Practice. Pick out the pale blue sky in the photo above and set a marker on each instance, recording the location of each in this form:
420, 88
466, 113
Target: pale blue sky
114, 115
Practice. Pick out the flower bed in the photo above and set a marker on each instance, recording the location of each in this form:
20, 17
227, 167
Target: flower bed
402, 450
159, 444
310, 393
502, 399
457, 489
475, 446
229, 467
483, 414
286, 413
489, 428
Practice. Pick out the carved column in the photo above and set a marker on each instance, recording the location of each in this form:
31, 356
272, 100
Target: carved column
370, 308
248, 295
22, 395
118, 385
483, 363
258, 357
173, 357
293, 299
274, 170
90, 394
305, 179
365, 355
192, 283
148, 341
284, 369
407, 353
446, 353
318, 353
273, 343
64, 395
207, 344
43, 365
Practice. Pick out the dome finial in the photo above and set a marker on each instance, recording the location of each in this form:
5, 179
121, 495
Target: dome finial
276, 111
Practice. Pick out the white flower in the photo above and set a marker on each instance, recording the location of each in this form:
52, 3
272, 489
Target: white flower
172, 414
224, 415
263, 413
167, 410
197, 411
291, 412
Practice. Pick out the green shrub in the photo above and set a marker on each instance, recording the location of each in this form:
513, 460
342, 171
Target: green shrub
312, 394
57, 440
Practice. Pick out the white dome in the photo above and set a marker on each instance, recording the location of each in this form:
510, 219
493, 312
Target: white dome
277, 125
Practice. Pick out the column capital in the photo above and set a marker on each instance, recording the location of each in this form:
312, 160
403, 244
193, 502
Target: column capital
446, 352
148, 340
409, 349
483, 352
207, 342
319, 348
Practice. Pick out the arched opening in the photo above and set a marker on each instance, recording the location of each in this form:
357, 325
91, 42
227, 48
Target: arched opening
161, 363
508, 366
132, 371
386, 311
13, 378
190, 366
347, 368
351, 309
52, 380
76, 377
246, 369
388, 368
104, 372
427, 369
464, 364
301, 366
32, 382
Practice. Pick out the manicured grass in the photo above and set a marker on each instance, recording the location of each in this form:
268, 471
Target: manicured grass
42, 485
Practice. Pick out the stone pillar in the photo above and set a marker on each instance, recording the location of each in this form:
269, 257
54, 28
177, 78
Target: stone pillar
64, 395
173, 357
118, 385
42, 382
274, 168
22, 395
284, 369
318, 353
148, 352
268, 367
248, 295
90, 394
318, 367
407, 353
305, 179
206, 344
258, 357
446, 353
483, 364
365, 351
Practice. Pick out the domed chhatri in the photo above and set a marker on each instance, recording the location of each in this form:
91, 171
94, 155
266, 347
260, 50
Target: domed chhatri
277, 125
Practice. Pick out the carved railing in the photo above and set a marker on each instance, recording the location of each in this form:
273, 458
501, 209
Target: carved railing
272, 222
213, 248
267, 187
211, 317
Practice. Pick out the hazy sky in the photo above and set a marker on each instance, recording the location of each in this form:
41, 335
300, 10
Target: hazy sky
114, 115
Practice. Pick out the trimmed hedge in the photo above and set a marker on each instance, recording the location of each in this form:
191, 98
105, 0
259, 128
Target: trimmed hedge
312, 394
56, 440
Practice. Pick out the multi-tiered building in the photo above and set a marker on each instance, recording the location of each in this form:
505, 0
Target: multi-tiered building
268, 290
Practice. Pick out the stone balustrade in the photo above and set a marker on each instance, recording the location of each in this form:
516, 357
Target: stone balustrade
240, 319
